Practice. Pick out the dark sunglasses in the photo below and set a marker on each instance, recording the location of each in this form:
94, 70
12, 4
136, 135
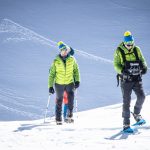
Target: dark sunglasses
129, 45
64, 49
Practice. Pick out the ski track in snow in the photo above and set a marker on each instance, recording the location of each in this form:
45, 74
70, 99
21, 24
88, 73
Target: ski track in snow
10, 103
9, 26
129, 6
21, 112
13, 96
23, 34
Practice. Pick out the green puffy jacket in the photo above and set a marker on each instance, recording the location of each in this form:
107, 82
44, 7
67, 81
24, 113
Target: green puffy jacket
62, 73
118, 60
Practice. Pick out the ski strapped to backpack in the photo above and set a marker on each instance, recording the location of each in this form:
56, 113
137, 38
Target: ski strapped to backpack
136, 63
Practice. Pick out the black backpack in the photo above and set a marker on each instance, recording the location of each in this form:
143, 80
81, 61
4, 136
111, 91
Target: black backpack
123, 54
127, 63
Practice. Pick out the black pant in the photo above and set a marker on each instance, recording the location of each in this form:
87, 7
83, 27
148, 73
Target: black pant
59, 99
127, 88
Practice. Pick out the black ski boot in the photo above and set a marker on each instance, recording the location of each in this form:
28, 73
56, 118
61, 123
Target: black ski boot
58, 121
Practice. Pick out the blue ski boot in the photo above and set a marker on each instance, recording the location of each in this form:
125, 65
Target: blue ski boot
139, 119
127, 129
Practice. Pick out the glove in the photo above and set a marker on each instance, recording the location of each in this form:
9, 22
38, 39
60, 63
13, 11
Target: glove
125, 75
77, 84
51, 90
124, 72
144, 70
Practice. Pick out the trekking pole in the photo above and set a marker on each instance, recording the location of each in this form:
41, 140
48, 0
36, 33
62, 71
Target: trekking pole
76, 102
48, 102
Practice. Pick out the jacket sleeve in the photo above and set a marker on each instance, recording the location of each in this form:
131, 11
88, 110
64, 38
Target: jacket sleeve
76, 72
52, 72
118, 66
141, 57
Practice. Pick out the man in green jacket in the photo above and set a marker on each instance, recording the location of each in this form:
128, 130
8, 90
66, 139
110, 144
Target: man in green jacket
130, 65
64, 73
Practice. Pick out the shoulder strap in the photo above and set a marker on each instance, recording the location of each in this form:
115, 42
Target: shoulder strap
135, 53
123, 54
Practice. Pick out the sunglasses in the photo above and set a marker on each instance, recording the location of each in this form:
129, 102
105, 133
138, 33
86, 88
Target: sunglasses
129, 45
64, 49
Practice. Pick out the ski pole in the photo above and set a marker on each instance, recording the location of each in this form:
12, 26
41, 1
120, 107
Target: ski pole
76, 102
48, 102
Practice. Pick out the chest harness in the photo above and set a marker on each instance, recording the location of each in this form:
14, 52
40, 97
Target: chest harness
131, 69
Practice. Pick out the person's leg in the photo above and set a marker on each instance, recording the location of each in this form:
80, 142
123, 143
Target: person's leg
126, 88
65, 111
138, 89
70, 92
59, 98
65, 102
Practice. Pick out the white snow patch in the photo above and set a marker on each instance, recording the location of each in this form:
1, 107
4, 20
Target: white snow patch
94, 129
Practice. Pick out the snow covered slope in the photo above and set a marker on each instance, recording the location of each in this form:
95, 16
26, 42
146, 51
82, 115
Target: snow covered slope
94, 129
29, 30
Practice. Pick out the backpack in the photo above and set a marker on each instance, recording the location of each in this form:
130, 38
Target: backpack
133, 67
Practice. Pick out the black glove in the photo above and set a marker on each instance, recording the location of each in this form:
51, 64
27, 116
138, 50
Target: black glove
51, 90
124, 72
125, 75
77, 84
144, 70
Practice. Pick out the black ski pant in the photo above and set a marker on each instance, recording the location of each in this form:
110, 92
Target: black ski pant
59, 99
127, 88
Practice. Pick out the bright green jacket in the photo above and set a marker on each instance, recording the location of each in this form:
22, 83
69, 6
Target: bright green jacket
62, 73
118, 60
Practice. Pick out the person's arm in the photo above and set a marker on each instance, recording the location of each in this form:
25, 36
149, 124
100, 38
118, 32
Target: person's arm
76, 72
52, 72
117, 62
141, 57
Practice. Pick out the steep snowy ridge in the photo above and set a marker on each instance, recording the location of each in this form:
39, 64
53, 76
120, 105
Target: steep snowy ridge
94, 129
